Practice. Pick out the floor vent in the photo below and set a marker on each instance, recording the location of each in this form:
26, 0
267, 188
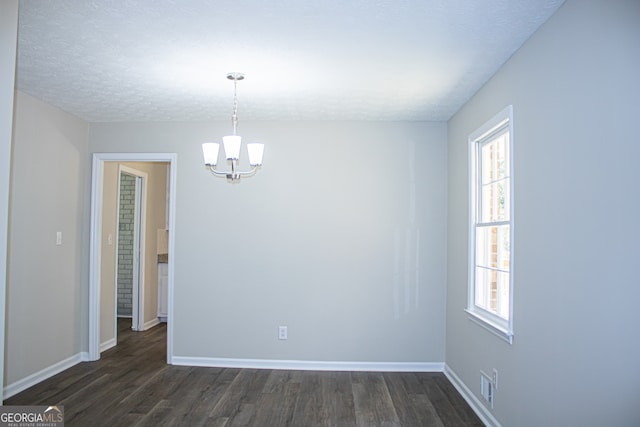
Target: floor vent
486, 389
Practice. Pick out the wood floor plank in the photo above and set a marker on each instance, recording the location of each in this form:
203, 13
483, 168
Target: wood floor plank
86, 398
192, 407
245, 388
310, 407
372, 402
277, 408
278, 379
243, 416
131, 385
161, 387
446, 411
337, 395
457, 401
412, 406
410, 381
60, 386
159, 415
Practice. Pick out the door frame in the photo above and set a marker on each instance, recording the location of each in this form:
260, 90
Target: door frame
95, 245
139, 229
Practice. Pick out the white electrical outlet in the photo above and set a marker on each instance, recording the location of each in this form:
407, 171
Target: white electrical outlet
282, 332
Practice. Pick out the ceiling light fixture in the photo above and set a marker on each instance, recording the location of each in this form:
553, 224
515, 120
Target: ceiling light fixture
232, 144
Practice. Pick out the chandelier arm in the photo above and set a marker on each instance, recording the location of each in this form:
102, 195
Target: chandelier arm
233, 173
215, 172
247, 173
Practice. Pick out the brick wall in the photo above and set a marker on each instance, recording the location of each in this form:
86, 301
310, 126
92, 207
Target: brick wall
125, 245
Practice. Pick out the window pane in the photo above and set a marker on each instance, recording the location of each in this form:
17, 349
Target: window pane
481, 244
495, 201
492, 269
493, 247
504, 248
492, 291
495, 159
493, 286
494, 180
481, 287
502, 303
486, 165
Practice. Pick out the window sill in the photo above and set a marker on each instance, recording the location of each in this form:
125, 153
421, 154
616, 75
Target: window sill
497, 330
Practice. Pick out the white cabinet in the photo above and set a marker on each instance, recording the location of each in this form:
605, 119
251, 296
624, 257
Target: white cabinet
163, 290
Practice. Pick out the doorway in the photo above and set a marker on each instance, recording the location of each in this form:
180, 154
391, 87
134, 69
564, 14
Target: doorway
101, 241
130, 249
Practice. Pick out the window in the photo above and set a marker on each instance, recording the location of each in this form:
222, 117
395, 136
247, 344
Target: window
491, 225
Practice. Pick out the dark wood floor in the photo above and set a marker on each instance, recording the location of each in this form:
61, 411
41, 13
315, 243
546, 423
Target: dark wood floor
132, 385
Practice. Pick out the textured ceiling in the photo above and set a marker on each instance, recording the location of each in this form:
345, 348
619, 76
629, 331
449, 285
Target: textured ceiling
167, 60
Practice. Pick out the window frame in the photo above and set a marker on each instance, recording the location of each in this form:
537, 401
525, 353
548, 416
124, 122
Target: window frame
495, 324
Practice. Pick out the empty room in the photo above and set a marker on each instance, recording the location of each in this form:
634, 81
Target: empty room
413, 212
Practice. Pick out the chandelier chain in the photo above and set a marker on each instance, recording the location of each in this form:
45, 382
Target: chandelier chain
234, 117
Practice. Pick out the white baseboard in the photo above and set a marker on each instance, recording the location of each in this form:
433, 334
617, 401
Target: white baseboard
108, 344
307, 365
478, 407
37, 377
150, 324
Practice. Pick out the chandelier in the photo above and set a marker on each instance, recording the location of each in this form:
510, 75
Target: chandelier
232, 145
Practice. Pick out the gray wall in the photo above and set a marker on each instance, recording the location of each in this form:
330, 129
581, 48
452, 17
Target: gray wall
575, 89
47, 284
348, 250
8, 43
